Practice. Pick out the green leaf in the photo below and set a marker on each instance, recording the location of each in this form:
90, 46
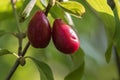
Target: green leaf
76, 74
26, 9
105, 13
78, 60
4, 52
117, 30
108, 52
57, 12
2, 33
44, 69
117, 4
72, 7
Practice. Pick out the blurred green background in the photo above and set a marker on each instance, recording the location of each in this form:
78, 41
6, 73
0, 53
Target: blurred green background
92, 39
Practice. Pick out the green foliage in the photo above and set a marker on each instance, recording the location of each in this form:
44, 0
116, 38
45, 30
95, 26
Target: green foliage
44, 70
108, 52
117, 32
26, 9
2, 33
57, 12
93, 66
105, 13
72, 7
4, 52
76, 74
78, 60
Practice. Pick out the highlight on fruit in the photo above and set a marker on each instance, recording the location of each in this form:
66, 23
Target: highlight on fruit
64, 37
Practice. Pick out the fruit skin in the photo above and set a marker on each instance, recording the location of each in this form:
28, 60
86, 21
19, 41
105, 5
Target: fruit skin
64, 37
39, 30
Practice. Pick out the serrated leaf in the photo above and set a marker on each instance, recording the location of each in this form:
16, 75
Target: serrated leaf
76, 74
4, 52
44, 69
108, 52
26, 9
72, 7
2, 32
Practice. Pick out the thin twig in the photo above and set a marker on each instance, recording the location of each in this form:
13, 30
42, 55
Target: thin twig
13, 69
18, 27
47, 9
16, 16
17, 62
24, 51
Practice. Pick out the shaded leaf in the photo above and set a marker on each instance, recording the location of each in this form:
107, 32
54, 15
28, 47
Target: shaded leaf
108, 52
78, 59
4, 52
72, 7
44, 69
111, 4
26, 9
2, 32
117, 30
57, 12
76, 74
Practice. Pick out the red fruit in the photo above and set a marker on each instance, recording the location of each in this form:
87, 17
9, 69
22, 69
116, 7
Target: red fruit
64, 37
39, 31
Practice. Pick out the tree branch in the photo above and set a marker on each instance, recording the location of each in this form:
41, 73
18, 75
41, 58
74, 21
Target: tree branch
17, 62
16, 16
22, 53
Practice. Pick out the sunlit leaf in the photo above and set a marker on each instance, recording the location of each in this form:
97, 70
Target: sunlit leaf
4, 52
44, 69
105, 13
72, 7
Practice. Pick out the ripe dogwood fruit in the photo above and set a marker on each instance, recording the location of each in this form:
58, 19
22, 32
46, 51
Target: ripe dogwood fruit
39, 31
64, 37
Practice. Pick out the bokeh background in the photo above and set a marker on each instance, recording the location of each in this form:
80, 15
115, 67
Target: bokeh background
93, 41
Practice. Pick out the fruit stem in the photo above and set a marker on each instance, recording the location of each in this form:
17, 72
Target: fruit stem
18, 27
50, 4
47, 9
20, 52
